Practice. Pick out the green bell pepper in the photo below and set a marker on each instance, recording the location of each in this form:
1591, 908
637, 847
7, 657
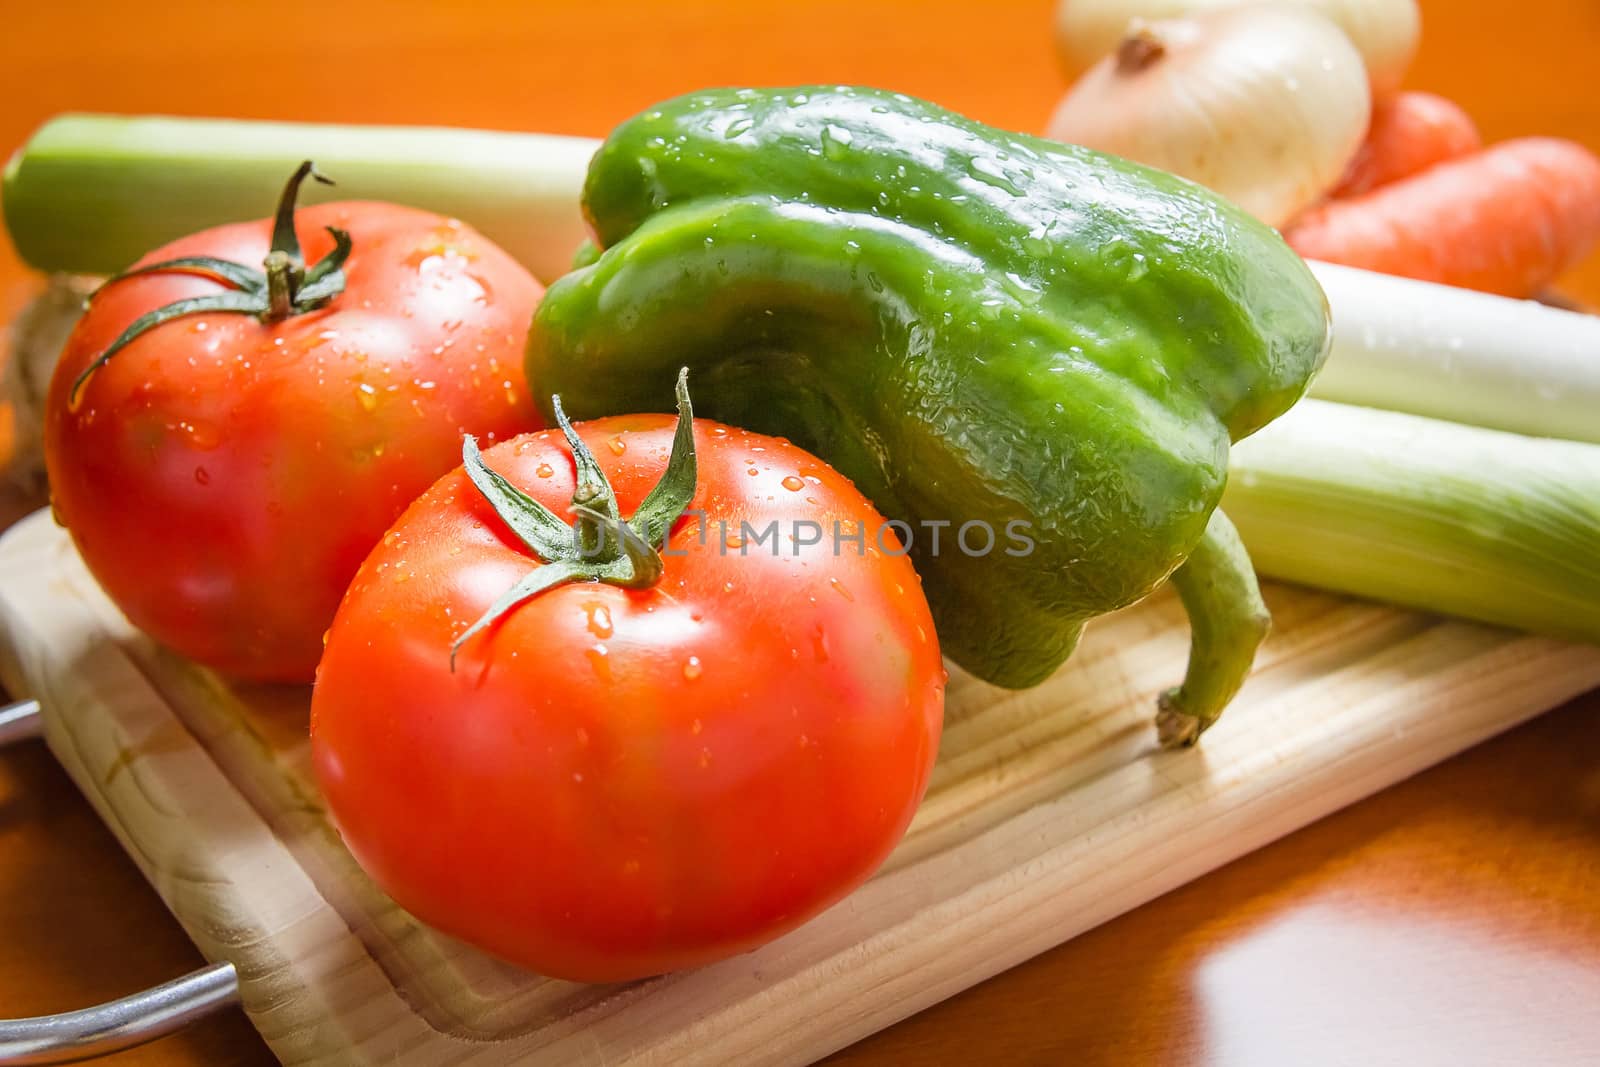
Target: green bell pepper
975, 326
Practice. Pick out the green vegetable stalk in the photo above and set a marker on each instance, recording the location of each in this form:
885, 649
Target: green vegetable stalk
1455, 519
977, 327
90, 194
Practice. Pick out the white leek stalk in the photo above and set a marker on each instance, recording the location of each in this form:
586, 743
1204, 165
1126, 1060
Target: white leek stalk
1435, 515
1455, 354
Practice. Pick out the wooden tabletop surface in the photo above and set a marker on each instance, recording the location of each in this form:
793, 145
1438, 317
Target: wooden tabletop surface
1452, 919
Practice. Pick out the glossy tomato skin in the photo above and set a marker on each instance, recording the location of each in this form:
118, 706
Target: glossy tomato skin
223, 478
617, 783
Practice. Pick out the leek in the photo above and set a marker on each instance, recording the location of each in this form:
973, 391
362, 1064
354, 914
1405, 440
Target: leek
90, 194
1455, 354
1435, 515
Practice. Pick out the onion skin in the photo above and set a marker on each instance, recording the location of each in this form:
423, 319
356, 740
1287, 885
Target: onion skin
1385, 32
1265, 106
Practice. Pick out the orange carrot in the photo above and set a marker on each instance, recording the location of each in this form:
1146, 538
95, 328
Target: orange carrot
1410, 132
1504, 220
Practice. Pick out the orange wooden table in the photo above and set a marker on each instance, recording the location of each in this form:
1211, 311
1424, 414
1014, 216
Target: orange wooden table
1455, 918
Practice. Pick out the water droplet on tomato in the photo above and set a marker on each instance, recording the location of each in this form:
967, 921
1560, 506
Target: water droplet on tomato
819, 644
368, 396
617, 445
201, 435
544, 470
202, 476
727, 587
705, 758
599, 619
695, 727
486, 297
734, 541
793, 484
752, 472
838, 587
692, 669
599, 663
922, 635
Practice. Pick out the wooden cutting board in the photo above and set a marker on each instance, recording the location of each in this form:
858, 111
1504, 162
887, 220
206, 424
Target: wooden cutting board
1050, 811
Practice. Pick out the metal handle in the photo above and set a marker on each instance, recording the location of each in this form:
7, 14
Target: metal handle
20, 722
119, 1024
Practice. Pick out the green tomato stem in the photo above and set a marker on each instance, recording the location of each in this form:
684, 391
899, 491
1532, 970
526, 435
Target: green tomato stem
601, 546
280, 286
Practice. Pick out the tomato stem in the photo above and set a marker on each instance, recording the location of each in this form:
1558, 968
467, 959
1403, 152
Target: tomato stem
600, 546
281, 287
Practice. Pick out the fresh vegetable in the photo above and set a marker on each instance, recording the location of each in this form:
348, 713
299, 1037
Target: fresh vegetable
1428, 514
1263, 105
1385, 32
1455, 354
672, 753
226, 442
1506, 220
1409, 133
92, 193
985, 331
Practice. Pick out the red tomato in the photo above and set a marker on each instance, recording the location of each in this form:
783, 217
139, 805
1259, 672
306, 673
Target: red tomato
616, 782
223, 476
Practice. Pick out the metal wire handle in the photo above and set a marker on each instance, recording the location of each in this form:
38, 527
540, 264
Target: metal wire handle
119, 1024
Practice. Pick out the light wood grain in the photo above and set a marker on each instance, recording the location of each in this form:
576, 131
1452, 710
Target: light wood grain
1051, 812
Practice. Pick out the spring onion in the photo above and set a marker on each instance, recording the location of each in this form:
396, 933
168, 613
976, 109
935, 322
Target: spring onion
1435, 515
92, 193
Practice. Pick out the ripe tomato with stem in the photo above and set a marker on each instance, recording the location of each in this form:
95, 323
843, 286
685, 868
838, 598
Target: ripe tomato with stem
629, 745
226, 442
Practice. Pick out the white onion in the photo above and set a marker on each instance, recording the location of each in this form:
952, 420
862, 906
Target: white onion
1385, 32
1263, 105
